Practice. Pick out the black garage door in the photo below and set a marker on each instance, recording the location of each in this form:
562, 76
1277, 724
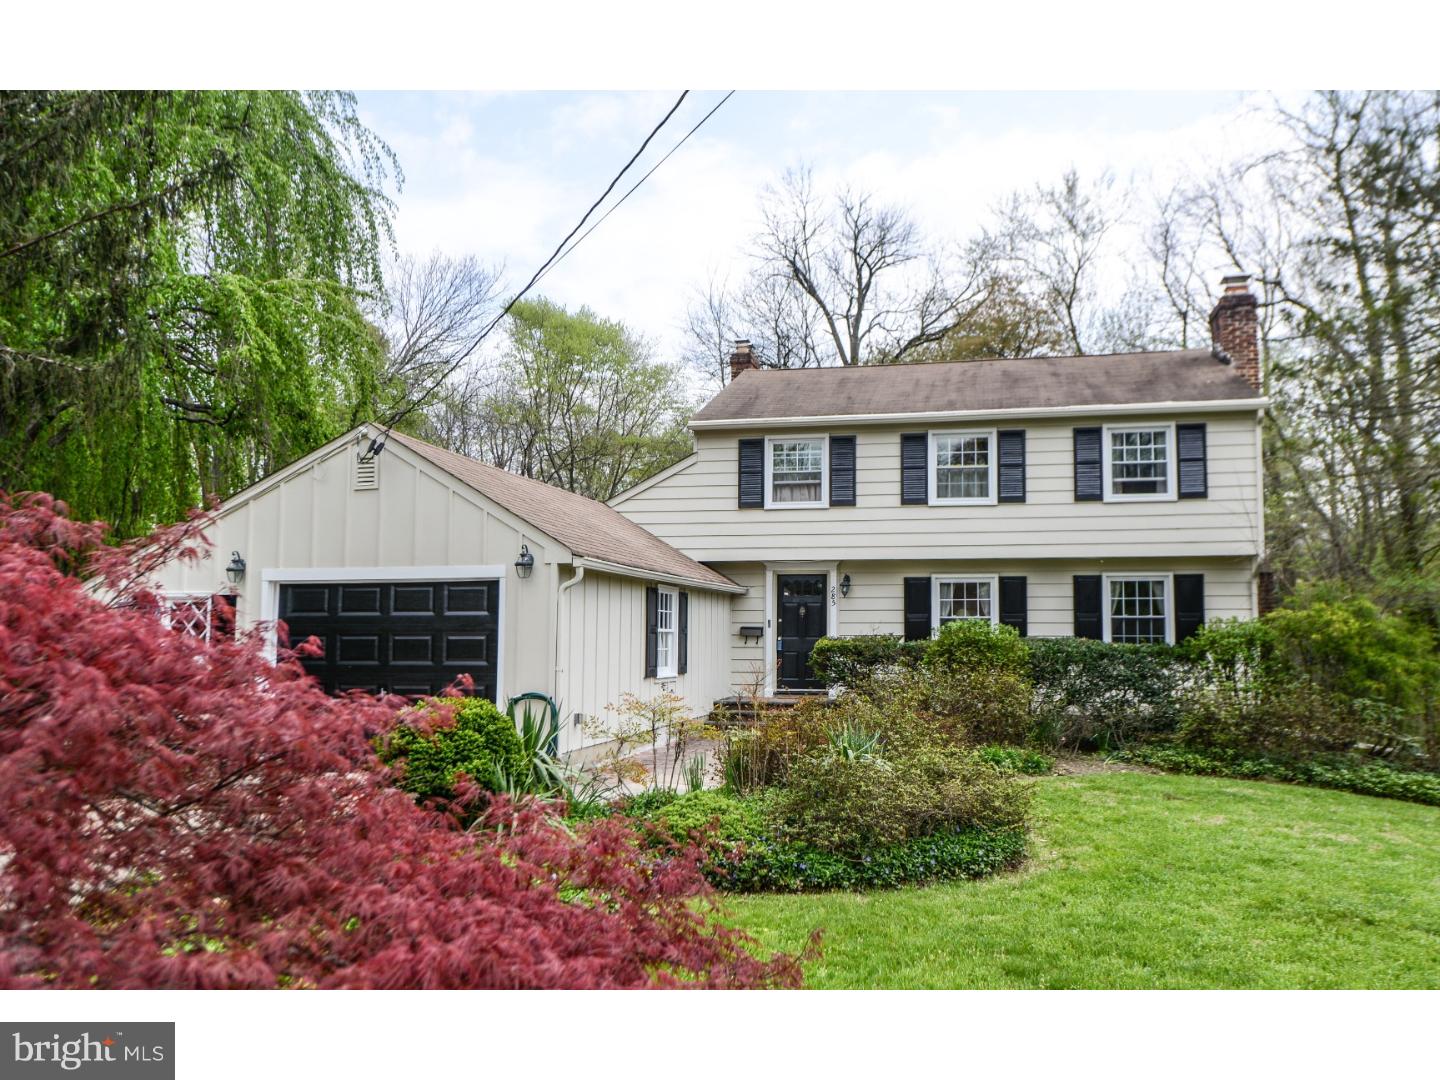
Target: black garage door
402, 637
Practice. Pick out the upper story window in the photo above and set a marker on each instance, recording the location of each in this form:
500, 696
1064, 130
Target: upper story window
666, 651
1138, 610
795, 474
1139, 462
963, 598
962, 467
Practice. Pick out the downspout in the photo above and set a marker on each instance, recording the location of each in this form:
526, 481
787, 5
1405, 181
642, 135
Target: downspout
559, 598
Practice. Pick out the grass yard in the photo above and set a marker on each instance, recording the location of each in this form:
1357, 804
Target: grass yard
1154, 881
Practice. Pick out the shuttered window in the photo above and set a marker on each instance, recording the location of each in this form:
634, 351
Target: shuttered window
842, 470
1138, 610
1190, 449
958, 598
667, 651
1139, 462
1012, 466
962, 467
795, 473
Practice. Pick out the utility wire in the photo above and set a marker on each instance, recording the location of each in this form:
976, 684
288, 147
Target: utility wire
378, 443
642, 180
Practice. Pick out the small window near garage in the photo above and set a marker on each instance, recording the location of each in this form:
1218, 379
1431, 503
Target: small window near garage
666, 646
795, 473
1139, 463
962, 467
1138, 610
964, 599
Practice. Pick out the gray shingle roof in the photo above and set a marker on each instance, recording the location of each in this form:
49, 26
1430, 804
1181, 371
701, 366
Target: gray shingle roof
588, 528
979, 385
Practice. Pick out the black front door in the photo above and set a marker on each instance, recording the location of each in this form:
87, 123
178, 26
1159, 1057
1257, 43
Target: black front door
800, 622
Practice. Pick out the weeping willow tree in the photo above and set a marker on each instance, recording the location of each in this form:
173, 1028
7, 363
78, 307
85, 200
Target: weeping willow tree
183, 286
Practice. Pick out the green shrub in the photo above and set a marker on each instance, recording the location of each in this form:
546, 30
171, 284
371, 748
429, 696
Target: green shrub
969, 645
850, 805
1294, 718
734, 820
647, 803
782, 867
964, 707
850, 660
758, 755
1016, 760
432, 751
1091, 694
1362, 777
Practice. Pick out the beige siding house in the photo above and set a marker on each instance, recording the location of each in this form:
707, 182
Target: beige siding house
1117, 497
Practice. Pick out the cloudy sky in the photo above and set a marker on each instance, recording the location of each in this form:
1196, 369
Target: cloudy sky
506, 176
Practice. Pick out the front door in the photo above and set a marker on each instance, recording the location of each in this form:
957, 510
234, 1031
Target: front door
800, 623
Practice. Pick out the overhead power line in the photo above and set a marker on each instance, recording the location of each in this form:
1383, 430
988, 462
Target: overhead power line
555, 256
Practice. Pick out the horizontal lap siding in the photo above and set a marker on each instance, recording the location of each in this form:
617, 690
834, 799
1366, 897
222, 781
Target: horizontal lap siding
602, 653
695, 508
875, 603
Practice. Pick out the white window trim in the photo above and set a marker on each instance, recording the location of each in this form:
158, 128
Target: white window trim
671, 670
936, 581
1172, 452
824, 441
188, 596
1169, 580
932, 471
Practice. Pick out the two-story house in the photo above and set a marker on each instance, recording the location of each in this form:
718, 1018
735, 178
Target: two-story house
1114, 497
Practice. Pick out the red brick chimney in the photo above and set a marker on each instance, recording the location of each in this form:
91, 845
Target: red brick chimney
1235, 328
742, 359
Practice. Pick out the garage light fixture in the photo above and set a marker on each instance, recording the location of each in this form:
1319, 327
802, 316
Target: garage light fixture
236, 570
525, 563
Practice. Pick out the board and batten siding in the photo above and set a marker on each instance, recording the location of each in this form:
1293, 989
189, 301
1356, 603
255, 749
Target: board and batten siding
602, 652
312, 517
694, 508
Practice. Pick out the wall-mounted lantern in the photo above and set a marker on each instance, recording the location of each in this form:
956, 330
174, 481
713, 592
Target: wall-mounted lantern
236, 570
525, 563
845, 585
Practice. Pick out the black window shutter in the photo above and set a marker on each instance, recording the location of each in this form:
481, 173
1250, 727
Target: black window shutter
1088, 620
752, 474
915, 470
683, 634
1191, 449
1189, 605
1012, 466
917, 608
842, 470
1089, 486
652, 640
1014, 605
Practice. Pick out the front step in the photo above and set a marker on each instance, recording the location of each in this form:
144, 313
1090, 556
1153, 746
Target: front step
738, 710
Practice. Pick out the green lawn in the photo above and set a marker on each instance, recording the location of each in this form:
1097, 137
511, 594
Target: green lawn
1148, 881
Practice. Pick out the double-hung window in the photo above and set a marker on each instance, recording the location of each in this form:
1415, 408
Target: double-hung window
666, 620
795, 473
1139, 462
962, 467
958, 598
1137, 610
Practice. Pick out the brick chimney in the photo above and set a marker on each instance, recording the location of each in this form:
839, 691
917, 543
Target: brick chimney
1235, 328
742, 359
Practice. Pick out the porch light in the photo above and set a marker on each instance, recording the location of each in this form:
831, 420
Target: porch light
845, 585
236, 570
525, 563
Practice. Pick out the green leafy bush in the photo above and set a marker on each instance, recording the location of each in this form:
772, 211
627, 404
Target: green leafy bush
949, 706
1294, 718
972, 645
1362, 777
850, 660
768, 866
1091, 694
445, 738
725, 818
850, 805
1016, 760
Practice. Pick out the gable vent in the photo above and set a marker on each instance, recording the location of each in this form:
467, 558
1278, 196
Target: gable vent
367, 472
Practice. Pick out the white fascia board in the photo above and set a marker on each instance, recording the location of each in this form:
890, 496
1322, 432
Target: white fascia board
640, 574
1256, 405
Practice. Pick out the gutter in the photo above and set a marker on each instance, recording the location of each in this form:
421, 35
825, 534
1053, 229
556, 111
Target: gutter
1133, 408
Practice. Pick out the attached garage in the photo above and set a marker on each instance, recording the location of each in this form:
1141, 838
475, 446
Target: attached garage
400, 637
416, 565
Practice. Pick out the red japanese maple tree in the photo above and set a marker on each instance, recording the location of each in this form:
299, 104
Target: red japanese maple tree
182, 813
